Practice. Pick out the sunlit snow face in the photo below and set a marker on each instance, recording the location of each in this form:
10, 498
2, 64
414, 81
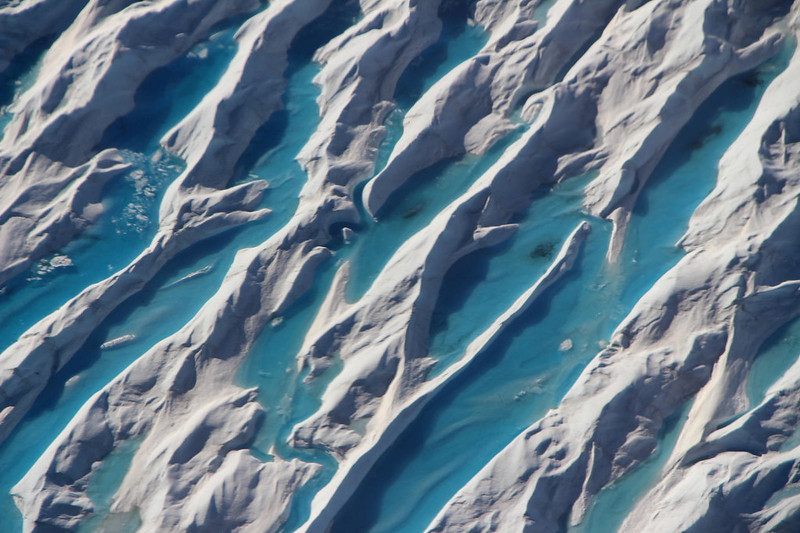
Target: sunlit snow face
410, 301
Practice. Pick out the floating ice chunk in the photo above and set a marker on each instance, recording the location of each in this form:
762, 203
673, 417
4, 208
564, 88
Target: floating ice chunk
60, 261
118, 342
192, 275
47, 266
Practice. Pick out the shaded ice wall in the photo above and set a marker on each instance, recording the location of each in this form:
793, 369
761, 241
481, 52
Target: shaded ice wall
399, 265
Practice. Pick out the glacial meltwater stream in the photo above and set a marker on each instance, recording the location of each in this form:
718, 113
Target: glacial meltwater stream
527, 370
686, 174
126, 227
520, 375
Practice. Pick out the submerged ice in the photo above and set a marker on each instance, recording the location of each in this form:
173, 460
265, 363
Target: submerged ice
399, 265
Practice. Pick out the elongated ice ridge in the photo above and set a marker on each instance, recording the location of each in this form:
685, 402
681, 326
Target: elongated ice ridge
693, 333
410, 398
51, 188
594, 92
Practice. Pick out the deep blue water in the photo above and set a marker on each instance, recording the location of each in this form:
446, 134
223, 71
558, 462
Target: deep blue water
685, 176
524, 374
126, 227
20, 75
515, 381
776, 355
427, 192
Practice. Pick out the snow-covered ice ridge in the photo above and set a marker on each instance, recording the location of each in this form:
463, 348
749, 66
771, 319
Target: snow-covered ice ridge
192, 191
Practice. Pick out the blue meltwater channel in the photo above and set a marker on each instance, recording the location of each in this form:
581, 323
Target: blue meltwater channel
527, 370
129, 222
688, 170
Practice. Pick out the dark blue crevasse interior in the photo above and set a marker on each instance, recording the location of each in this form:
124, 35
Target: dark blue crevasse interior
457, 42
267, 137
454, 15
685, 175
687, 172
518, 378
472, 272
340, 15
425, 460
20, 65
410, 209
439, 451
169, 92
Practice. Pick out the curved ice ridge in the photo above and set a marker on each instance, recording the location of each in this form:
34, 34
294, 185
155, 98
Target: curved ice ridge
601, 87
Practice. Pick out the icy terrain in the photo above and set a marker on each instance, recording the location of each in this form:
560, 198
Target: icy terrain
399, 266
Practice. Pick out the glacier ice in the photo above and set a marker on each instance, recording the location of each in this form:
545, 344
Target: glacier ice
387, 247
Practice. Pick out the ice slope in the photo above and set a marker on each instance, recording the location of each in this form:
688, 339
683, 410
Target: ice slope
275, 397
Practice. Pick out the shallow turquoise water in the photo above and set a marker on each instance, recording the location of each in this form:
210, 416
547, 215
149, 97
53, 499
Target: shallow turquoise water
517, 379
105, 482
686, 174
684, 177
123, 230
776, 355
19, 76
477, 290
459, 40
430, 190
413, 207
511, 385
151, 315
191, 278
615, 501
271, 366
272, 359
131, 201
129, 222
394, 130
108, 246
541, 12
524, 374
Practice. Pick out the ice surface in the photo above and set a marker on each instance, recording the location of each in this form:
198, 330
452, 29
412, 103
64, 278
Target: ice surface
389, 265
